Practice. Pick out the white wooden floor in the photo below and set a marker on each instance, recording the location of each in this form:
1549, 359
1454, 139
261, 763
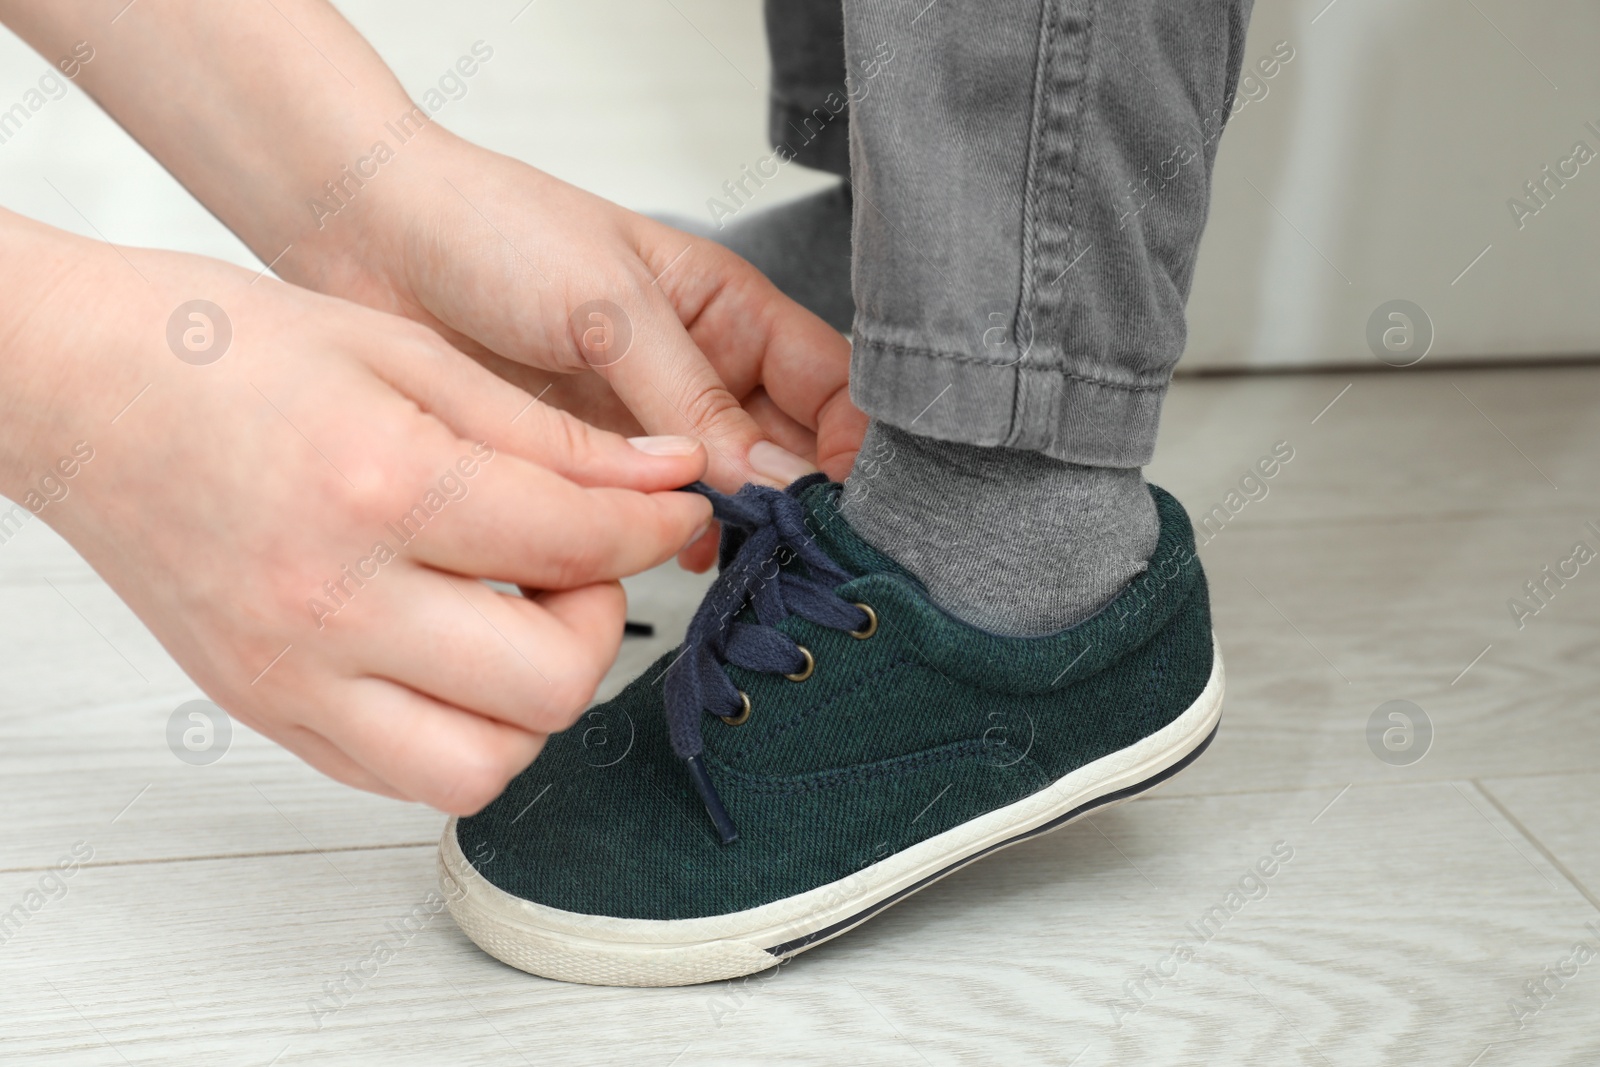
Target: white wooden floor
1418, 902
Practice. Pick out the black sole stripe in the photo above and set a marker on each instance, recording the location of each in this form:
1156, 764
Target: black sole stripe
788, 948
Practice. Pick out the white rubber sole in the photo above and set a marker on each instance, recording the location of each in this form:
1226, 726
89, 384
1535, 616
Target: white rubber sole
602, 950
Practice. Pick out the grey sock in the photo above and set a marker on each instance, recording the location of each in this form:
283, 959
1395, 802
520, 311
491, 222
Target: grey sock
804, 247
1012, 542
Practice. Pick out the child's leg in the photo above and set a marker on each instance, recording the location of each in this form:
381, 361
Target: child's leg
803, 245
807, 119
1030, 181
828, 741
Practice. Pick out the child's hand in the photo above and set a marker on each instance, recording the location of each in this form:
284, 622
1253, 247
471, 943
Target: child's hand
509, 262
299, 512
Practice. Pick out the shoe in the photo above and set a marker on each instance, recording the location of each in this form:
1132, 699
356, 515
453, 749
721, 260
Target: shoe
825, 743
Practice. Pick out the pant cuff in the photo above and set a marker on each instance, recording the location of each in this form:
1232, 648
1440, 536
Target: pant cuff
1066, 416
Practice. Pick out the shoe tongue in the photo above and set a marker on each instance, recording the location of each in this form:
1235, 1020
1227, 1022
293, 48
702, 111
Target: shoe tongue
837, 539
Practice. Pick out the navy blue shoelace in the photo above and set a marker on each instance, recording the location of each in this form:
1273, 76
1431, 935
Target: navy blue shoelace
773, 525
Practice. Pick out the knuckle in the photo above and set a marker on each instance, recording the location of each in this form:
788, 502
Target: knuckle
377, 490
372, 496
563, 436
711, 409
601, 313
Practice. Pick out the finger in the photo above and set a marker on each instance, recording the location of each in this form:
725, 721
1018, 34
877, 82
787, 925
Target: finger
317, 751
584, 394
478, 406
666, 381
701, 553
440, 755
503, 657
592, 615
752, 331
841, 426
785, 431
590, 456
520, 523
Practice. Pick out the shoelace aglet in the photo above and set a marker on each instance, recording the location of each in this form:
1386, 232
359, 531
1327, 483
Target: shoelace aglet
708, 796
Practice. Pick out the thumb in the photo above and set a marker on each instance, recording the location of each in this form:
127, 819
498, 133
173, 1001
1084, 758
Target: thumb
666, 381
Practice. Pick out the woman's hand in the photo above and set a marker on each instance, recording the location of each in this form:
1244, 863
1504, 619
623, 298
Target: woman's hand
297, 494
293, 131
517, 267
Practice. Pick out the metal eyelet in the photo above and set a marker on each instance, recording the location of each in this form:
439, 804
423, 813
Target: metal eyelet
870, 628
744, 712
805, 672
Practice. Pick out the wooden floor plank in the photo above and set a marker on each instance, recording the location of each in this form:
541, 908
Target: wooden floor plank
1400, 445
84, 753
1559, 812
1394, 928
1321, 625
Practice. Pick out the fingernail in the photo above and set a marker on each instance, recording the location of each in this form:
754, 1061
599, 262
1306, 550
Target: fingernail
782, 466
668, 445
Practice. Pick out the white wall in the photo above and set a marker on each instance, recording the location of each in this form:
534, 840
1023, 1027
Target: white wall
1382, 159
653, 104
1389, 145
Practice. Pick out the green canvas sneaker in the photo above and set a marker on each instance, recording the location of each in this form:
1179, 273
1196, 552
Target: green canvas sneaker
825, 743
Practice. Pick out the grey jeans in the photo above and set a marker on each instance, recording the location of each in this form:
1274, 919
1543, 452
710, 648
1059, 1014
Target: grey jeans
1030, 180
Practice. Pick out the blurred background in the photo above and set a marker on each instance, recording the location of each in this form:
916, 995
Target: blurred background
1375, 165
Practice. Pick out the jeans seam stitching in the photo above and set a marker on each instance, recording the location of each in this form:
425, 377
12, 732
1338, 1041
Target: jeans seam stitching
960, 357
1027, 255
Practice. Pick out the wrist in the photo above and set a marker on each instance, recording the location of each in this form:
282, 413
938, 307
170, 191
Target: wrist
354, 226
59, 373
